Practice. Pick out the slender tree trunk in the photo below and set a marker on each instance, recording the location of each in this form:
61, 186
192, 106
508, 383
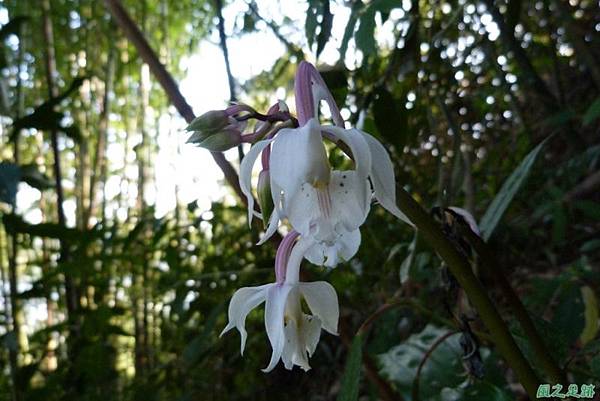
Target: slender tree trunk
72, 299
99, 164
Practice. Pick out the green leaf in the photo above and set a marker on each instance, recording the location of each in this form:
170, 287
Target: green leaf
196, 348
589, 208
310, 26
591, 315
325, 31
390, 118
569, 316
592, 113
407, 264
35, 178
10, 175
443, 367
9, 340
16, 224
351, 380
509, 189
12, 27
365, 35
350, 25
337, 82
513, 11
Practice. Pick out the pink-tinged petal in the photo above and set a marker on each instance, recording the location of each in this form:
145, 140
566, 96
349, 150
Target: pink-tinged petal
322, 300
243, 301
310, 89
274, 321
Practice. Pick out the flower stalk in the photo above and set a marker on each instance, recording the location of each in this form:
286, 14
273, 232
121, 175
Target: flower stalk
477, 295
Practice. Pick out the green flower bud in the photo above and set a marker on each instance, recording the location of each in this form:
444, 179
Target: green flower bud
221, 141
265, 200
210, 122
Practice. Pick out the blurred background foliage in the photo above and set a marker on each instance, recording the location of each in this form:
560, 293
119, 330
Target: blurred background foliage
110, 301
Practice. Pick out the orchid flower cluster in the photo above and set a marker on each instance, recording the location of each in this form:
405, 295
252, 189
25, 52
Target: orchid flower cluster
297, 187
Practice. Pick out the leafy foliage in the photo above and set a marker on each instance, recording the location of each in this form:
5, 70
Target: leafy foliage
119, 302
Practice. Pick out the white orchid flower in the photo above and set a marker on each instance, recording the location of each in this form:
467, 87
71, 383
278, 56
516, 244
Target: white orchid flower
293, 334
326, 205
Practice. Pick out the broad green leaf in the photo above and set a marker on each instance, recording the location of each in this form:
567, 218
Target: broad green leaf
507, 192
569, 316
592, 113
444, 366
351, 380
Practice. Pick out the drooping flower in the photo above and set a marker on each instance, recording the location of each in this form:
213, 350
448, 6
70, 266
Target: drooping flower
292, 333
326, 205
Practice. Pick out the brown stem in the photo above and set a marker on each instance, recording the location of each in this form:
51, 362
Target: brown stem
417, 380
159, 71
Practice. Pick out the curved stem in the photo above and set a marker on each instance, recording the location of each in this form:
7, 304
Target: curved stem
417, 380
478, 296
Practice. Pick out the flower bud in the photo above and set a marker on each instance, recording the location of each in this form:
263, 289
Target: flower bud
210, 122
221, 141
265, 200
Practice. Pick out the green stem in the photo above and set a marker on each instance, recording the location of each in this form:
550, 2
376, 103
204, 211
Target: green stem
461, 269
540, 351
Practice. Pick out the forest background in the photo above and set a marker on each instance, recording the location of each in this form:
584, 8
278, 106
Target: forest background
117, 262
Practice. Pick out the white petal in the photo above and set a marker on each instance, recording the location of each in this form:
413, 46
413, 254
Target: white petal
343, 249
274, 321
322, 300
291, 344
298, 155
246, 173
243, 301
382, 176
310, 333
302, 208
468, 218
349, 194
271, 228
361, 153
